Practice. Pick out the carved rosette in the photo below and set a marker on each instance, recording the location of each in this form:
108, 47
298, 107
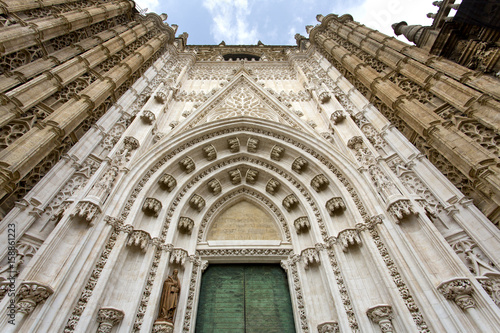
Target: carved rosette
30, 294
252, 145
381, 315
290, 202
299, 165
214, 186
459, 290
329, 327
210, 152
319, 182
139, 238
302, 224
400, 209
197, 202
86, 210
152, 207
277, 152
310, 256
178, 256
337, 116
348, 237
251, 176
185, 225
233, 145
148, 117
273, 186
334, 205
107, 318
187, 164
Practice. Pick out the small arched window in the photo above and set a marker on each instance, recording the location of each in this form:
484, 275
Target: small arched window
241, 56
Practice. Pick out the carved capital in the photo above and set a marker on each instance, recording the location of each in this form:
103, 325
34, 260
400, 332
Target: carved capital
459, 290
348, 237
107, 318
310, 256
30, 294
381, 315
86, 210
163, 327
400, 209
178, 256
139, 238
329, 327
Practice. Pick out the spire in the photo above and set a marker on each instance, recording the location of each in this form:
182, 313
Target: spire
411, 32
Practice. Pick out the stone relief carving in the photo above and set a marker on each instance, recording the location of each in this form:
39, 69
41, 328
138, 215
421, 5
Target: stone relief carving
197, 202
233, 145
302, 224
290, 202
169, 298
348, 237
320, 183
337, 116
152, 207
86, 210
214, 186
277, 152
235, 176
167, 182
140, 239
329, 327
185, 224
178, 256
148, 117
400, 209
252, 176
210, 152
30, 294
273, 186
252, 145
310, 257
335, 205
491, 284
299, 165
187, 164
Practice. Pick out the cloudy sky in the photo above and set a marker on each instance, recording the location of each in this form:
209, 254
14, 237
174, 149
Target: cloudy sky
277, 21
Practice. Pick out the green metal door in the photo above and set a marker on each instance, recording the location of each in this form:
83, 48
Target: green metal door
244, 298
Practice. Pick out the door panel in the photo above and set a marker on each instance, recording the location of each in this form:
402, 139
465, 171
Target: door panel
244, 298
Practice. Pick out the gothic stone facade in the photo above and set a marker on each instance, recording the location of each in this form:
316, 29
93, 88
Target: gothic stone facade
365, 167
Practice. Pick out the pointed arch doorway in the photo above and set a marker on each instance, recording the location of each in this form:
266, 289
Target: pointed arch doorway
247, 298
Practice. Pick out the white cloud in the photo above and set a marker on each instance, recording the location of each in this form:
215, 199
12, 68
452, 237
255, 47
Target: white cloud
151, 5
381, 14
230, 21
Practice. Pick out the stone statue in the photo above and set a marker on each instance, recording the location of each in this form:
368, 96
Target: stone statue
169, 298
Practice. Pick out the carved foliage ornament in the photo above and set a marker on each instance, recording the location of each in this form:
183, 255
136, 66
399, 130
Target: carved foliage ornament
167, 182
107, 318
458, 290
152, 207
30, 294
381, 315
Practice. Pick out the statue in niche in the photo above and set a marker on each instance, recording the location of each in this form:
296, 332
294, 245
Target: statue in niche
169, 298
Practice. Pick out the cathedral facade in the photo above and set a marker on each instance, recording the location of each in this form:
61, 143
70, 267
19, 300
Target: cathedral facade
349, 183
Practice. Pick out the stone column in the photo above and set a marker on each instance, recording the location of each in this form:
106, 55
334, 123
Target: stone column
107, 318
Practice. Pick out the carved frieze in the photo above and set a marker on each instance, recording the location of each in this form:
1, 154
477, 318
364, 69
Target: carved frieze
277, 152
187, 164
197, 202
299, 165
290, 202
319, 182
152, 207
210, 152
167, 182
273, 186
335, 205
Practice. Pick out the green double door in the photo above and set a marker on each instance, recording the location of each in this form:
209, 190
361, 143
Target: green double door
244, 298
